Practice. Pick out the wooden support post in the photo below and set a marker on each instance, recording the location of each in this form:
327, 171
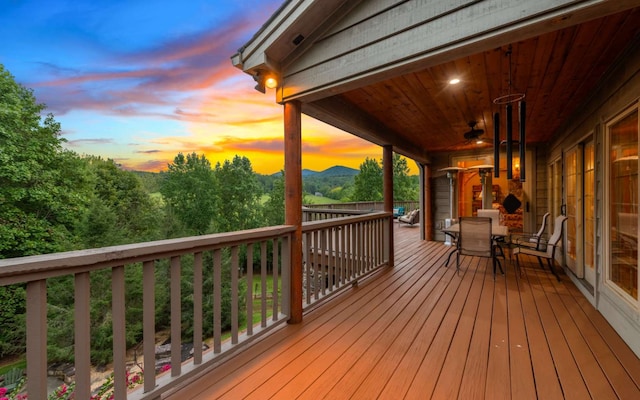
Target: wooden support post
387, 194
293, 200
426, 222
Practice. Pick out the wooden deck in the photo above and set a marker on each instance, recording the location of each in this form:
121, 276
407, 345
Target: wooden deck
421, 331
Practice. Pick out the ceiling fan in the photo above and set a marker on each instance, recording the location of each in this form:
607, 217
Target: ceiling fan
474, 133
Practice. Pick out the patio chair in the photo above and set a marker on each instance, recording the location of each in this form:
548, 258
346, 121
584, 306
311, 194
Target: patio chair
550, 250
411, 218
12, 378
475, 239
535, 240
494, 214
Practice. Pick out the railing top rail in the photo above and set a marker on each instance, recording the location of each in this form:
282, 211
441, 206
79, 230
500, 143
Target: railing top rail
340, 221
335, 211
15, 270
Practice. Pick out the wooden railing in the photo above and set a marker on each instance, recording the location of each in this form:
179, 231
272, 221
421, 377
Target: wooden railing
367, 206
337, 252
339, 249
34, 272
320, 214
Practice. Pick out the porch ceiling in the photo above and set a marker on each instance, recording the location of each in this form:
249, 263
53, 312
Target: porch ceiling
421, 114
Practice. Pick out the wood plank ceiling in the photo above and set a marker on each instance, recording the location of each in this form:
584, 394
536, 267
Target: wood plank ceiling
556, 71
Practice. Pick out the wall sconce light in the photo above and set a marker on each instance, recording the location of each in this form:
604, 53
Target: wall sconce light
271, 82
265, 80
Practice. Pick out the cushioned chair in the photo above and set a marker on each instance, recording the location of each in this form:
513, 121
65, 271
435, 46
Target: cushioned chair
475, 239
494, 214
550, 247
535, 240
411, 218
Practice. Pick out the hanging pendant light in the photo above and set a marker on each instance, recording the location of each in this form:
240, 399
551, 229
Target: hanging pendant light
496, 145
508, 100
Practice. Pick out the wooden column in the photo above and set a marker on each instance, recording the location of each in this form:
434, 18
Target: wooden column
426, 222
293, 200
387, 194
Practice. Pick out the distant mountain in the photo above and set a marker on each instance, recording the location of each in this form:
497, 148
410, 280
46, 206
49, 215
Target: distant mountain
337, 170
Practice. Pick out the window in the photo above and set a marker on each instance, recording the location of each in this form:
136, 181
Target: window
623, 203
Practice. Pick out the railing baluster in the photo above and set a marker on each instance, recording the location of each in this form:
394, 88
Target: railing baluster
119, 337
316, 270
37, 338
234, 295
263, 282
149, 324
274, 297
331, 272
286, 275
82, 345
176, 317
197, 308
324, 268
306, 264
250, 289
217, 301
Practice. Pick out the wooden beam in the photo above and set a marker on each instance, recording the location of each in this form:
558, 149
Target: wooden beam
343, 115
293, 200
387, 190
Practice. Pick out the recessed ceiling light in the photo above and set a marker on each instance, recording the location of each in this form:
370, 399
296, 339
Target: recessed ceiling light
454, 81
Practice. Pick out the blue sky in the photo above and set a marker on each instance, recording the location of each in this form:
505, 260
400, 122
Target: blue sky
139, 81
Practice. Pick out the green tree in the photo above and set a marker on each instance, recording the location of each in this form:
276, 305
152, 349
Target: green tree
239, 192
368, 182
42, 191
121, 210
189, 189
274, 207
404, 188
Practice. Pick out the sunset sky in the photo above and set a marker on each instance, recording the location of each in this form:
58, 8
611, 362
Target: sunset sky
139, 81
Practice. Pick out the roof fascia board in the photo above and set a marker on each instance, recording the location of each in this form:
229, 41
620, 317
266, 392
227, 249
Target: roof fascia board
277, 32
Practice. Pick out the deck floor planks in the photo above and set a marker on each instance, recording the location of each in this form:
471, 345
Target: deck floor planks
405, 373
448, 383
520, 366
429, 334
571, 382
344, 354
372, 384
617, 346
408, 327
380, 290
546, 380
498, 384
474, 376
316, 343
426, 375
593, 376
615, 372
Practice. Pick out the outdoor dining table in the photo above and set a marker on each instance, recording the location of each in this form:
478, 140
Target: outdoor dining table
499, 233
